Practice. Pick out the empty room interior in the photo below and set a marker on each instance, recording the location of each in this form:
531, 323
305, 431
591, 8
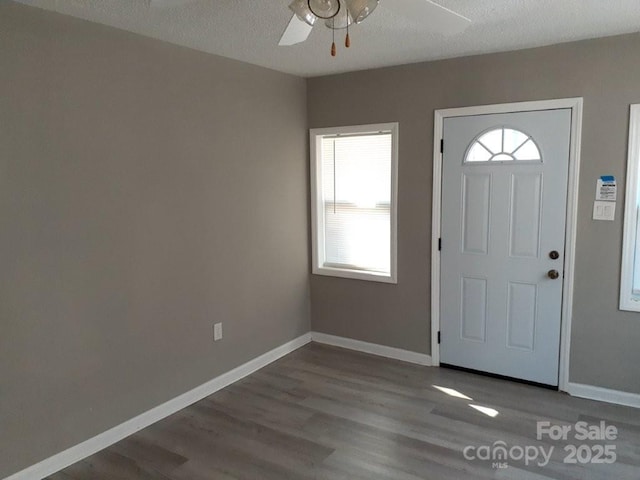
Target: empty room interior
320, 239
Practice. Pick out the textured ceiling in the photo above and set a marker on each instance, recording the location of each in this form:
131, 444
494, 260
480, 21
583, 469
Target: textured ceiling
249, 30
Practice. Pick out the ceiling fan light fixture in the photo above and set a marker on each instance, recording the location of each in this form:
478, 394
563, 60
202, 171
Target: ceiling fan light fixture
324, 9
301, 9
342, 20
361, 9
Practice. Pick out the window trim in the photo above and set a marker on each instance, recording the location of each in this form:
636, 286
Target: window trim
317, 210
630, 225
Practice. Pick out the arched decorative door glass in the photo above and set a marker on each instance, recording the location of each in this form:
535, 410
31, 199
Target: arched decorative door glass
503, 145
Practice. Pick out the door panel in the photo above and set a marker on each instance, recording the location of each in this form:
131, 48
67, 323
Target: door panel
503, 211
475, 228
526, 215
474, 309
521, 320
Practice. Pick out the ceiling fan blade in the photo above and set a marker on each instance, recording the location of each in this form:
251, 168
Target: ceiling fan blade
436, 17
296, 32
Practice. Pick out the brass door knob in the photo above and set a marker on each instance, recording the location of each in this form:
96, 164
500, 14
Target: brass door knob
553, 274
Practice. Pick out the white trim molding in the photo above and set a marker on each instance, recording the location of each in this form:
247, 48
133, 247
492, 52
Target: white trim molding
603, 394
576, 105
372, 348
93, 445
629, 300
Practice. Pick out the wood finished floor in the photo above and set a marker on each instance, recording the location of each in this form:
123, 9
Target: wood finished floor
327, 413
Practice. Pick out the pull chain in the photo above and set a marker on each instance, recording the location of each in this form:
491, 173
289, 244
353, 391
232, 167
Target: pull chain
347, 41
333, 45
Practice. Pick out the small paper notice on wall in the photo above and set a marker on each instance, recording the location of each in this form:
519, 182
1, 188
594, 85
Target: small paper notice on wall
606, 189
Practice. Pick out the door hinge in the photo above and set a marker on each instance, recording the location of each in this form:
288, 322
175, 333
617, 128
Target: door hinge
438, 337
442, 145
439, 244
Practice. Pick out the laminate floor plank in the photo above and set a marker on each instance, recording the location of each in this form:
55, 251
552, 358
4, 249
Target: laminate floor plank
108, 465
60, 476
326, 413
147, 453
404, 453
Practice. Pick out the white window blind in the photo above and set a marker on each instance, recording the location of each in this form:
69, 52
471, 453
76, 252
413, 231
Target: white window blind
354, 201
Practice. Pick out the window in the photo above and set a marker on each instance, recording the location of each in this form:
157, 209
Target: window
354, 186
630, 281
503, 145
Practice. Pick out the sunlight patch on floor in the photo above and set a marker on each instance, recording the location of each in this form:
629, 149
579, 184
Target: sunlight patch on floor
491, 412
452, 392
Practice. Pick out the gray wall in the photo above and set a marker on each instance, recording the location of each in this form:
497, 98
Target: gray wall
605, 342
146, 192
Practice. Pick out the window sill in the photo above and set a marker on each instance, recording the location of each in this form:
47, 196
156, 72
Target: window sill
630, 304
356, 274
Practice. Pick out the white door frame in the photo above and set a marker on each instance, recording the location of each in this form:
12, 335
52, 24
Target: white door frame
575, 104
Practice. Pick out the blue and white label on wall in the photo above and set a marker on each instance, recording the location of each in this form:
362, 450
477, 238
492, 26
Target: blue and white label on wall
606, 189
604, 208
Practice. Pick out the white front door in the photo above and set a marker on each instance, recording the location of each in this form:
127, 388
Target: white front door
504, 195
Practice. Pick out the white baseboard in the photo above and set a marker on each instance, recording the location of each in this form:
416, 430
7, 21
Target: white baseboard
372, 348
603, 394
78, 452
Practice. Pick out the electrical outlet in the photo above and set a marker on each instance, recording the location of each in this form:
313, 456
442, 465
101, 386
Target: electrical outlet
217, 332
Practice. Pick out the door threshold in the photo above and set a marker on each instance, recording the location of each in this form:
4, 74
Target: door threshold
500, 377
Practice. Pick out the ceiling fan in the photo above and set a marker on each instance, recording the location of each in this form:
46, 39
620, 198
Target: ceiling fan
341, 14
